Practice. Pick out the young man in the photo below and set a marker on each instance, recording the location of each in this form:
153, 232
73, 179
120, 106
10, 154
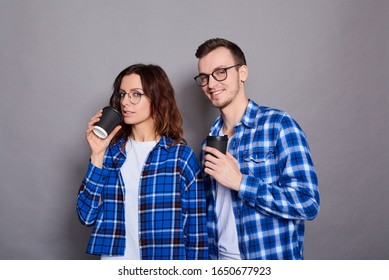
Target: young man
260, 193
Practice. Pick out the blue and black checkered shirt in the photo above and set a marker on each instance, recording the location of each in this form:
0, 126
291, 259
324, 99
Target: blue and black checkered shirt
279, 188
172, 205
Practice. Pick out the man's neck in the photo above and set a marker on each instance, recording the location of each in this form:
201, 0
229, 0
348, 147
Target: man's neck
232, 115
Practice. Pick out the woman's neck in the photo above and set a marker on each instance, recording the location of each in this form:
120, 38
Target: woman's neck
144, 134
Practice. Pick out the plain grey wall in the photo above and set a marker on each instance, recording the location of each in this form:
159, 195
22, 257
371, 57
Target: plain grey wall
325, 62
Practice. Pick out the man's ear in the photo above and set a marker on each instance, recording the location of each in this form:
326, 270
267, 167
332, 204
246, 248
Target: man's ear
243, 72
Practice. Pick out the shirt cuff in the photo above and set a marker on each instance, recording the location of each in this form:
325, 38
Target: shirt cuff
250, 189
96, 178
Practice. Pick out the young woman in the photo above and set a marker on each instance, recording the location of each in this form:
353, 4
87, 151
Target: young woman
143, 192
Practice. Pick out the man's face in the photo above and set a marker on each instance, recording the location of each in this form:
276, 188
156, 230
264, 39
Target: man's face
221, 93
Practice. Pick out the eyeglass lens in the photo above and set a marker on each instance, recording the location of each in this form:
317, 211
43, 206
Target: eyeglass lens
218, 74
133, 96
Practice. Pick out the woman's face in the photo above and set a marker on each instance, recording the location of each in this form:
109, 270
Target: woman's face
135, 114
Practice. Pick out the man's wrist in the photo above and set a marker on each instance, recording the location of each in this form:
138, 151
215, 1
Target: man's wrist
238, 182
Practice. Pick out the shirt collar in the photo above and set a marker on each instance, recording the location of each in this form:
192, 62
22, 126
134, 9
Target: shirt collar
249, 119
165, 142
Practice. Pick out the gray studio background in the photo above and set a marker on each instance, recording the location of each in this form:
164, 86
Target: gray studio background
325, 62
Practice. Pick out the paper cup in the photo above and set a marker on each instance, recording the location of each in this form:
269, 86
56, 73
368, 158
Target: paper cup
108, 121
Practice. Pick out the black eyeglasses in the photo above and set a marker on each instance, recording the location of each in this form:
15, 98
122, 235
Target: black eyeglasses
219, 74
134, 96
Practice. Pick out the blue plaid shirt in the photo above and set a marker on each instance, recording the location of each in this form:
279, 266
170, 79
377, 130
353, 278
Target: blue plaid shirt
279, 188
172, 204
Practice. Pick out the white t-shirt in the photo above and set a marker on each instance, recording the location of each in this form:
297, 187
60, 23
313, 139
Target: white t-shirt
226, 225
137, 153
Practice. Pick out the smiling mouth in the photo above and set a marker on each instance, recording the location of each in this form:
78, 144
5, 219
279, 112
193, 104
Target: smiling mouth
216, 93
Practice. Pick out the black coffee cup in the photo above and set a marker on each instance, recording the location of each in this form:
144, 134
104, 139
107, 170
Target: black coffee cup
218, 142
108, 121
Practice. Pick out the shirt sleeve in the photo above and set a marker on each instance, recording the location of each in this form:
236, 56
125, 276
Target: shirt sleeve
294, 195
194, 210
89, 198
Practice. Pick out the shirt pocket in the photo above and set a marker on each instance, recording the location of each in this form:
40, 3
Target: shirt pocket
259, 162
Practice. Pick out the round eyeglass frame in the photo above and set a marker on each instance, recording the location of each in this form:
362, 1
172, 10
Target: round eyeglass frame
130, 95
202, 75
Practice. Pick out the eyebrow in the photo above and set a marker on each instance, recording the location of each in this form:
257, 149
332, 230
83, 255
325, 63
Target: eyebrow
132, 89
219, 67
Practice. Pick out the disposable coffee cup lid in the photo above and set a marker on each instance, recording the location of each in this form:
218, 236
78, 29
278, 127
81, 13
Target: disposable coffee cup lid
113, 109
218, 138
100, 132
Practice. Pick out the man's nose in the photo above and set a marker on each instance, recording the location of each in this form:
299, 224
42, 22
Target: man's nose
212, 81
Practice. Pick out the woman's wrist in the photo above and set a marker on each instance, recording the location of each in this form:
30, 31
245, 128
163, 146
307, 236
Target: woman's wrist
97, 160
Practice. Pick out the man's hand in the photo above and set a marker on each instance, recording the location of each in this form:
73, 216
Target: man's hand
223, 168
